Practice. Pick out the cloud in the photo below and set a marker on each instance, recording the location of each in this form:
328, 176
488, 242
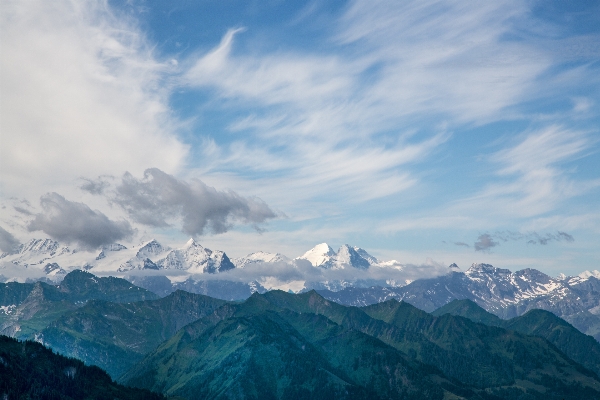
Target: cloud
159, 197
73, 222
22, 210
543, 240
97, 186
487, 240
82, 94
317, 118
8, 243
461, 244
484, 242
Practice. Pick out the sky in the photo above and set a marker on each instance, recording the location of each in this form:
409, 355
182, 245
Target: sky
430, 132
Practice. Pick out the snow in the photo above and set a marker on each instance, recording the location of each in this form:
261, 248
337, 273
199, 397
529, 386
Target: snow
320, 255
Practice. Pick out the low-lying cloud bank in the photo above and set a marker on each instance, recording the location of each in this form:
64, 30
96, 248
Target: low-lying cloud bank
300, 274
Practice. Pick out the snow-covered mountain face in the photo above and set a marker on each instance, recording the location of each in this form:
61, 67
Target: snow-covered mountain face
499, 291
45, 258
319, 268
322, 255
260, 257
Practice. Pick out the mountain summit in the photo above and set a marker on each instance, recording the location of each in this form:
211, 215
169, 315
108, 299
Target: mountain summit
322, 255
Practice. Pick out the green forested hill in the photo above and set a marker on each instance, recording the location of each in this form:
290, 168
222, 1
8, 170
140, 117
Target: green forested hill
390, 350
578, 346
114, 336
30, 307
28, 370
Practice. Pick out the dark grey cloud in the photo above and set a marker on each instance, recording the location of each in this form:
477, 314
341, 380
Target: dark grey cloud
461, 244
72, 222
485, 242
8, 243
488, 240
159, 197
95, 186
22, 210
545, 239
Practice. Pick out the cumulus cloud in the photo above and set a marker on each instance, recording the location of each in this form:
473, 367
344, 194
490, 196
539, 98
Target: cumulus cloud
485, 242
8, 243
73, 222
81, 80
159, 197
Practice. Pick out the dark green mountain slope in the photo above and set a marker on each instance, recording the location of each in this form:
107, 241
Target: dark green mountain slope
28, 370
28, 308
114, 336
255, 350
81, 286
477, 354
469, 309
582, 348
382, 350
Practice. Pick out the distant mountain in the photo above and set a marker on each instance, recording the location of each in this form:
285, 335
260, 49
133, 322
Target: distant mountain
27, 308
28, 370
114, 336
349, 275
260, 257
502, 292
266, 346
52, 260
580, 347
322, 255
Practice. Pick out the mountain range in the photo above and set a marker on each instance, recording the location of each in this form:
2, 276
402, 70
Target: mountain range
349, 276
279, 344
502, 292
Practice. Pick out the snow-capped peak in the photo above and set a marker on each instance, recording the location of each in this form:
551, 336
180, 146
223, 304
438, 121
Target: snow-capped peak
476, 269
320, 255
347, 256
363, 253
151, 249
588, 274
190, 243
259, 257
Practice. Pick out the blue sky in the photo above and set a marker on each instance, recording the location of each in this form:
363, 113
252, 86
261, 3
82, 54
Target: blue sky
427, 132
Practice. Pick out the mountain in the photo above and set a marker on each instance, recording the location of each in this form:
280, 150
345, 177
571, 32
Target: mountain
322, 255
27, 308
46, 258
502, 292
469, 309
28, 370
350, 276
582, 348
114, 336
255, 350
260, 257
266, 346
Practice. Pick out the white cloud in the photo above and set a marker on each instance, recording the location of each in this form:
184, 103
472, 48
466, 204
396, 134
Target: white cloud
82, 95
